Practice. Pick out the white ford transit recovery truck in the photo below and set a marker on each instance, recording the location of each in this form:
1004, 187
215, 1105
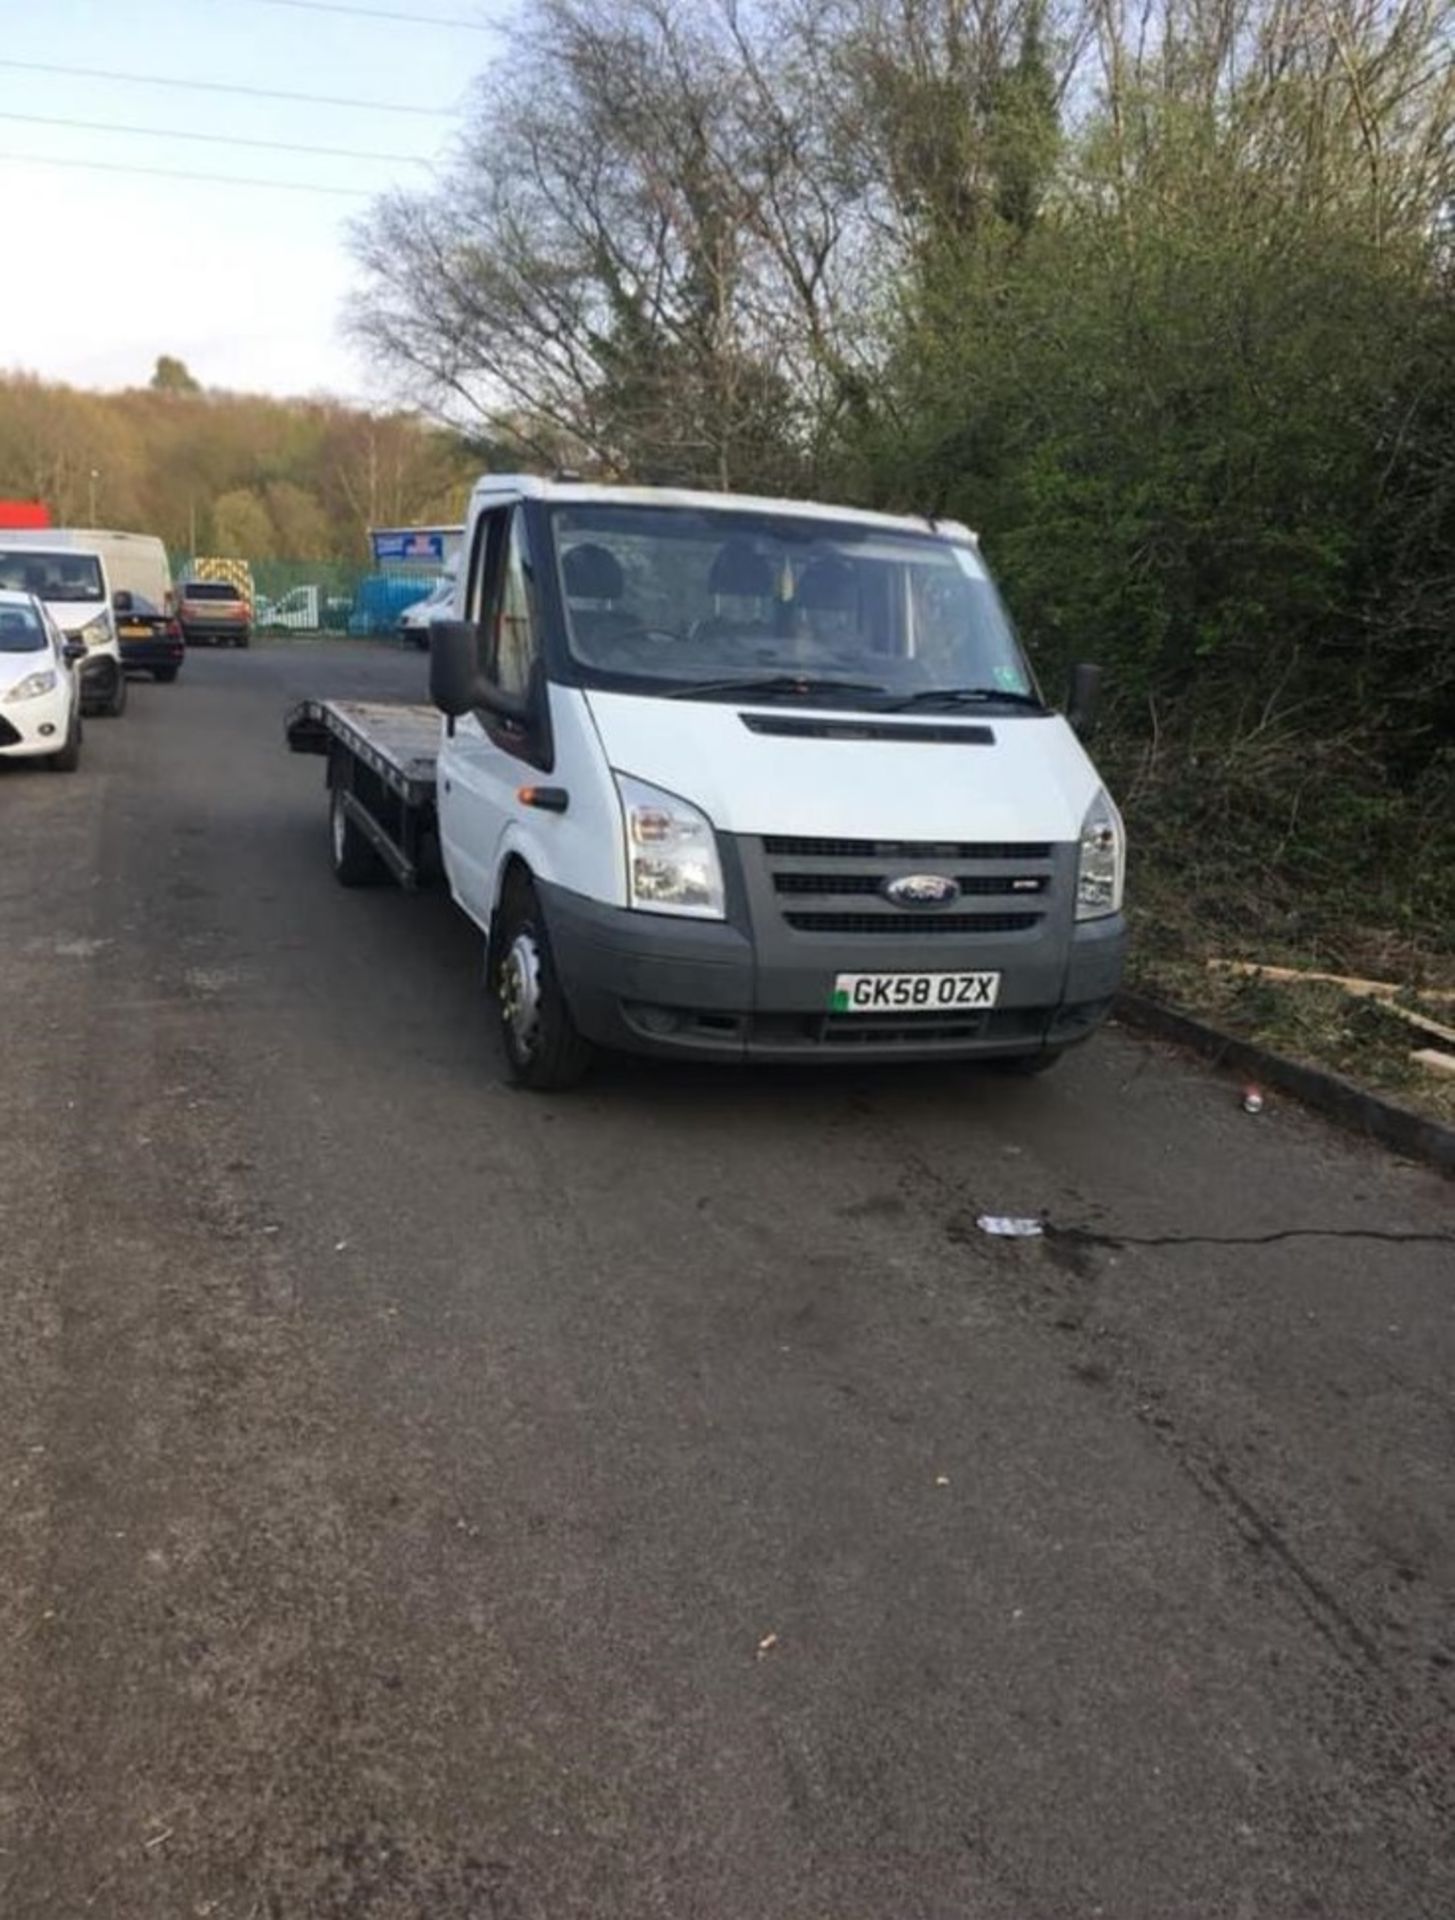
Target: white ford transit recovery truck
738, 779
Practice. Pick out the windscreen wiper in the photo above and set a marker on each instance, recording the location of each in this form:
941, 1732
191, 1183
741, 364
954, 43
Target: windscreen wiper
764, 685
970, 696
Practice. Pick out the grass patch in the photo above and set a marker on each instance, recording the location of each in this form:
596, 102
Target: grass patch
1286, 857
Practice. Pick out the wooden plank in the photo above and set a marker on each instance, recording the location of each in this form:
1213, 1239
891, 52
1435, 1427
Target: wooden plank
1360, 989
1379, 990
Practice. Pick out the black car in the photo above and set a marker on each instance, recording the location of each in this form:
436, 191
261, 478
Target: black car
151, 640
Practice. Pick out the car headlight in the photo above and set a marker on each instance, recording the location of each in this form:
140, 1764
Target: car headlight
33, 686
1101, 871
671, 853
97, 632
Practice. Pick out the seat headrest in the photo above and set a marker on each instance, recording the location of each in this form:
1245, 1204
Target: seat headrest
741, 570
829, 586
592, 573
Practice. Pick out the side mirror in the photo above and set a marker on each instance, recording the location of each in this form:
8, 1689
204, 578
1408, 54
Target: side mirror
456, 683
75, 650
121, 601
1081, 700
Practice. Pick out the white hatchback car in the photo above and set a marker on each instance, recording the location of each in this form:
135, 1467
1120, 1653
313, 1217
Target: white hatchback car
40, 701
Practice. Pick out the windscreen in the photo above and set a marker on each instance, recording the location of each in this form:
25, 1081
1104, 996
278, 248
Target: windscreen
52, 576
687, 596
21, 630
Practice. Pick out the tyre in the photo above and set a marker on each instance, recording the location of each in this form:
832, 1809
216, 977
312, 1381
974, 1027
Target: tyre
68, 757
243, 640
116, 705
355, 863
543, 1050
164, 676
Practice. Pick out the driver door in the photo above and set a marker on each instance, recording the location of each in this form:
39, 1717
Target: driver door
494, 750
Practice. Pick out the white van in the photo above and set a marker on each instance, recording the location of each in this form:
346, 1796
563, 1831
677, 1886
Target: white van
136, 563
420, 615
72, 581
739, 778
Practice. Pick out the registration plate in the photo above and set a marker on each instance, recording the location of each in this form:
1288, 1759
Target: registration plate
913, 992
135, 633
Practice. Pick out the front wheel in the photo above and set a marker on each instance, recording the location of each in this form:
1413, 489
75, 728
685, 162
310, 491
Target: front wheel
116, 705
543, 1050
242, 640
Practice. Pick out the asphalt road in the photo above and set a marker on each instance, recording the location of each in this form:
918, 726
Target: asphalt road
420, 1500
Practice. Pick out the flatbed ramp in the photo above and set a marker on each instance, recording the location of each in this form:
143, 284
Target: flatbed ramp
381, 775
398, 742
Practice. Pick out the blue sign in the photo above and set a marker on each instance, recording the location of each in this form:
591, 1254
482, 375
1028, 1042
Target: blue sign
419, 546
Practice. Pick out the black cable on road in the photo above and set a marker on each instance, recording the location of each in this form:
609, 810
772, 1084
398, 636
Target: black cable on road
222, 86
1393, 1237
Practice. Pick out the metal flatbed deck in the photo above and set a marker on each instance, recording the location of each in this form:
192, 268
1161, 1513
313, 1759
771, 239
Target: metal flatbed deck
397, 742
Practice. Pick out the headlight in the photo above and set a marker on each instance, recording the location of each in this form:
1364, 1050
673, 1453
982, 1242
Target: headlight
97, 632
33, 686
1101, 872
671, 853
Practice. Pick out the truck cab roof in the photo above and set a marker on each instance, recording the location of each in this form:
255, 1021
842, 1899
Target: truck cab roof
495, 487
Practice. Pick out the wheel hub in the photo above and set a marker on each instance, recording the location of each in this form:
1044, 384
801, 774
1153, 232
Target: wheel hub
520, 991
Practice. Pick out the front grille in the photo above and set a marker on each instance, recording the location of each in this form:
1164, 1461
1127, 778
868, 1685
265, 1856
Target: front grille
797, 847
898, 925
826, 886
873, 883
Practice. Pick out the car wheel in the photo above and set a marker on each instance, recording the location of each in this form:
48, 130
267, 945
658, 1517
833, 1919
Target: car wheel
241, 641
67, 758
164, 676
355, 863
116, 705
543, 1050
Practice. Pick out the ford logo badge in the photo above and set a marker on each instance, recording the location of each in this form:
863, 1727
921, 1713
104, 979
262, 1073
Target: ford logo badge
922, 890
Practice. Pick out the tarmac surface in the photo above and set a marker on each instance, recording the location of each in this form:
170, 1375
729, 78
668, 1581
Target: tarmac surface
424, 1501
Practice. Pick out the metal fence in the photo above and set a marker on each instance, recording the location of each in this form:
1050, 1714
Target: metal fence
327, 596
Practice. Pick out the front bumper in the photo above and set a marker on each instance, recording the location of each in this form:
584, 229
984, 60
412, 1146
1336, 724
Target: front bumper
22, 723
209, 633
648, 983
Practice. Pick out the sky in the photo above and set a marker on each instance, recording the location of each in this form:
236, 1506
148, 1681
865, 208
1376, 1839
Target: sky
104, 270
